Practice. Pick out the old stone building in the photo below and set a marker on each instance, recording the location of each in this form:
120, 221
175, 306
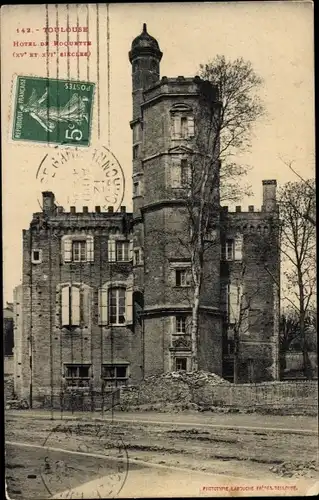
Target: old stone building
104, 299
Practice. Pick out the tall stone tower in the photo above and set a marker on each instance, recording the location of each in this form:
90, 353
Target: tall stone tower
163, 128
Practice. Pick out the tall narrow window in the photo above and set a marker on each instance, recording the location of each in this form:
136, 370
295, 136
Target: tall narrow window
185, 173
136, 189
176, 127
79, 251
116, 306
135, 151
180, 324
182, 277
184, 127
122, 251
70, 306
238, 247
234, 302
111, 246
228, 250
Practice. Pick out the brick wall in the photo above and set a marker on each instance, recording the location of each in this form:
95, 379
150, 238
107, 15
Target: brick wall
40, 338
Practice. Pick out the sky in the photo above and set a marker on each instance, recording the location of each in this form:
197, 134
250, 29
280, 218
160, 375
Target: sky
277, 37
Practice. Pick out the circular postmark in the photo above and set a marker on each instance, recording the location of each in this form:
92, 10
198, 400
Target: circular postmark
80, 177
84, 460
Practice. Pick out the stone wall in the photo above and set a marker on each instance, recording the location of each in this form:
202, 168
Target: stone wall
271, 394
206, 390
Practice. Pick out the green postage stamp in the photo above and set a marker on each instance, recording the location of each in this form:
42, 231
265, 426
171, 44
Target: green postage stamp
53, 111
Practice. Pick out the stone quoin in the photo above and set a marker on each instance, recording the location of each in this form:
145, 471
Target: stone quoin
104, 299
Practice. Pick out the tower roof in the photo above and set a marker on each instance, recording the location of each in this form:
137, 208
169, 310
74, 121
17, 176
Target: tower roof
145, 44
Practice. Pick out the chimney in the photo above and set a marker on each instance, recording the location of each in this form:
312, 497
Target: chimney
250, 208
110, 209
225, 209
269, 195
98, 209
60, 210
48, 205
123, 209
85, 210
238, 208
72, 210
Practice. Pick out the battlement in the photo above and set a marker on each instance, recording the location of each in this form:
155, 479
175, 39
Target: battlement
50, 208
269, 205
180, 85
56, 216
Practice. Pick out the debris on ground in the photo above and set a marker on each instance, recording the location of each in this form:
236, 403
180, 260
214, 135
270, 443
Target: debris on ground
17, 404
295, 470
172, 391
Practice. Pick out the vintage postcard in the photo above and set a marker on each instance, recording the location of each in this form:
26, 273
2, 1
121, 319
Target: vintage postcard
159, 229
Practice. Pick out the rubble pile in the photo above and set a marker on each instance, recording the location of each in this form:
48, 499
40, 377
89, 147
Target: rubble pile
168, 392
16, 404
295, 470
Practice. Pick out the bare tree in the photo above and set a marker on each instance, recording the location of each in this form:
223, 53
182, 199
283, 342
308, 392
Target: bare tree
298, 247
223, 126
309, 185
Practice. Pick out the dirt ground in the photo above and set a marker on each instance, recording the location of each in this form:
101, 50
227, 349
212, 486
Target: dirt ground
243, 452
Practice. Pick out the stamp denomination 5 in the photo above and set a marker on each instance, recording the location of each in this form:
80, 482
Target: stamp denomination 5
53, 111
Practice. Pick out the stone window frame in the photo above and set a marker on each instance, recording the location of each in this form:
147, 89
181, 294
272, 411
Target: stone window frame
139, 251
117, 381
39, 260
180, 318
181, 266
181, 354
228, 249
236, 248
179, 112
177, 176
78, 378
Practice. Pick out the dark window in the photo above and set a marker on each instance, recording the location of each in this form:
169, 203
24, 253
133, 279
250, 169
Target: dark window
137, 257
36, 255
182, 277
228, 250
135, 151
185, 173
136, 189
115, 374
77, 375
180, 364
